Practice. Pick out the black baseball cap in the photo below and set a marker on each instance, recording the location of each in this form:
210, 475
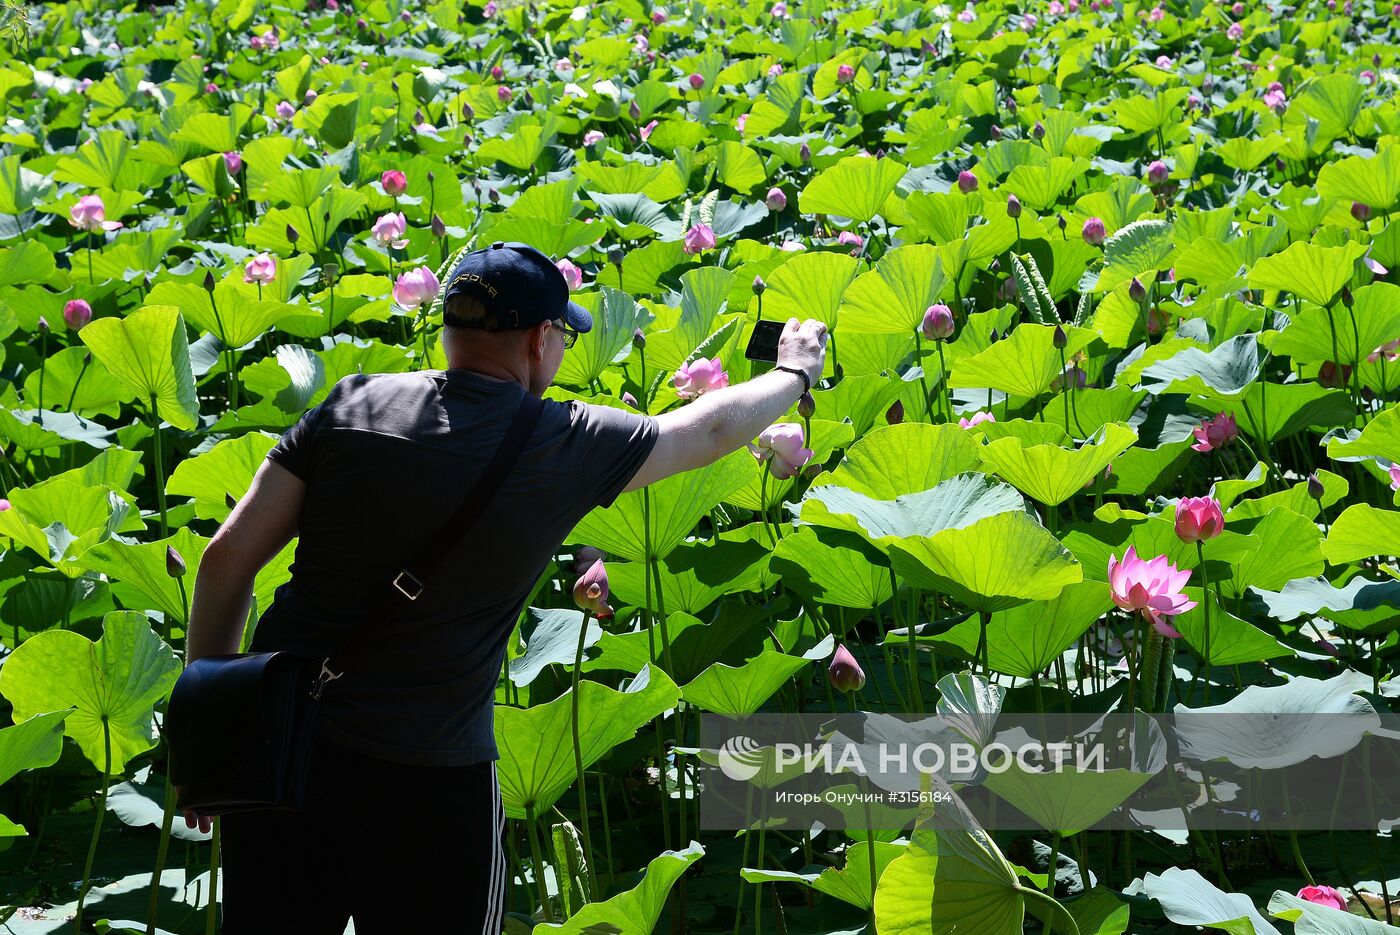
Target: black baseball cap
517, 285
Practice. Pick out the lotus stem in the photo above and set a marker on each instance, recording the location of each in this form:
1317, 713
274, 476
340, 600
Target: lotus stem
923, 375
1205, 648
97, 822
912, 666
162, 850
537, 863
211, 919
943, 386
1151, 660
1053, 865
160, 471
578, 754
74, 394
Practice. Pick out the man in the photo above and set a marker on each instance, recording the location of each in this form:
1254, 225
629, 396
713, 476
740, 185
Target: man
403, 821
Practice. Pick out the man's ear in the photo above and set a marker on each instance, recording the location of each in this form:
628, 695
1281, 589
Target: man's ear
539, 334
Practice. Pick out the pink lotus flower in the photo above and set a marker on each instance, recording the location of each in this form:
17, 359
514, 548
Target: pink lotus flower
776, 200
233, 162
844, 672
938, 323
504, 94
1198, 518
1164, 62
631, 400
1323, 896
564, 65
591, 591
697, 81
1156, 14
1028, 22
1093, 231
1152, 588
741, 123
4, 505
572, 274
1235, 32
593, 136
700, 237
1276, 100
977, 419
82, 89
1056, 8
90, 214
694, 379
779, 9
415, 287
1361, 211
285, 110
1395, 477
496, 72
489, 10
852, 238
77, 313
781, 446
1390, 350
967, 182
966, 15
260, 269
1215, 432
845, 74
646, 130
389, 230
658, 16
1157, 173
775, 70
393, 182
1073, 375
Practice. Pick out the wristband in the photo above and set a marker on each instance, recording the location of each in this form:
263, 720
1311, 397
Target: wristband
806, 380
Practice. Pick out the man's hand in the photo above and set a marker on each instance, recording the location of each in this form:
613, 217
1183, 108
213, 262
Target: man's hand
193, 818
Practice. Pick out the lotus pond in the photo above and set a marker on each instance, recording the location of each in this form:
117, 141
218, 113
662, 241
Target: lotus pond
1109, 419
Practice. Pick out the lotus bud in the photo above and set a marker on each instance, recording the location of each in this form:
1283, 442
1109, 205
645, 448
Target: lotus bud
845, 673
639, 340
937, 324
804, 153
993, 337
697, 81
591, 591
43, 323
1346, 296
1315, 488
1198, 518
967, 182
292, 235
634, 111
174, 564
468, 112
615, 256
1376, 60
776, 200
845, 74
233, 162
1038, 131
806, 405
208, 280
631, 400
393, 182
1094, 232
1136, 291
895, 414
1013, 207
497, 72
437, 226
1361, 211
759, 285
1060, 339
77, 313
995, 132
1011, 105
1157, 173
995, 265
494, 196
1060, 220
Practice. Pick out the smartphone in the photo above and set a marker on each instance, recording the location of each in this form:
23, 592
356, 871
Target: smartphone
763, 342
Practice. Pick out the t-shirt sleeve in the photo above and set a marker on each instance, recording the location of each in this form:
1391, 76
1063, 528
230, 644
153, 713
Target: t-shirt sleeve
616, 443
295, 448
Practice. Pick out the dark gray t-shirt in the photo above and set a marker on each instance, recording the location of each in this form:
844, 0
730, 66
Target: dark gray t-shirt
387, 458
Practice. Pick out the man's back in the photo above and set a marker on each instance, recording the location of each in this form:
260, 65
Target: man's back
387, 458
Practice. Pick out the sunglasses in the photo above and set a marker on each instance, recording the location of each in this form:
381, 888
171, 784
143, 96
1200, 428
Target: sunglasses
570, 335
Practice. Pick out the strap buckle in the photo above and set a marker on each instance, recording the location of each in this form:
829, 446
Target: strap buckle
414, 582
324, 676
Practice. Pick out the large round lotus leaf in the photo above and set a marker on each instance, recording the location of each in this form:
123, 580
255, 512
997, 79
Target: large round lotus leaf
637, 909
736, 691
615, 317
863, 399
33, 743
994, 564
1373, 180
1224, 372
1373, 319
1307, 270
904, 895
959, 501
61, 520
1361, 532
693, 576
1050, 474
1189, 899
810, 285
1370, 606
227, 313
1138, 250
831, 566
142, 566
855, 188
536, 762
1273, 411
896, 460
1024, 364
892, 298
1232, 641
849, 883
149, 352
552, 638
117, 680
225, 470
1379, 439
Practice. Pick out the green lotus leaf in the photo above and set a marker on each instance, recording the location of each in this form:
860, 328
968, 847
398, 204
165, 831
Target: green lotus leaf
149, 352
33, 430
228, 314
849, 883
62, 519
693, 575
32, 743
1308, 271
855, 188
1218, 374
833, 567
1091, 409
959, 501
1379, 439
615, 317
142, 566
1190, 899
1361, 532
738, 167
863, 399
1368, 606
637, 909
1276, 411
1024, 363
736, 632
553, 638
676, 503
1314, 919
225, 470
892, 298
1051, 474
736, 691
904, 894
1295, 498
65, 376
1024, 640
24, 263
216, 132
810, 285
21, 188
115, 681
1290, 546
1100, 912
536, 763
1139, 249
994, 564
1373, 181
1232, 641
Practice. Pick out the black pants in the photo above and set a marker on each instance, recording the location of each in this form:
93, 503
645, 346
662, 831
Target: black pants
400, 848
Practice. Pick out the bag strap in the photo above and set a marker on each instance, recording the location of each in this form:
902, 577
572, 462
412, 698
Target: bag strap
408, 583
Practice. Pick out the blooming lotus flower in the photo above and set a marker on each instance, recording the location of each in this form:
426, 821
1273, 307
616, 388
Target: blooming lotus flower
779, 9
792, 246
233, 162
967, 182
573, 276
389, 230
564, 65
852, 238
1151, 588
695, 379
394, 182
697, 81
415, 287
591, 591
1395, 477
285, 110
90, 214
1323, 896
977, 419
781, 446
1235, 32
844, 672
845, 74
776, 200
593, 136
1198, 518
700, 237
775, 70
1390, 350
646, 130
1056, 8
1215, 432
938, 323
1368, 77
742, 122
255, 42
77, 313
1276, 100
1156, 14
489, 10
1164, 62
1094, 232
260, 269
